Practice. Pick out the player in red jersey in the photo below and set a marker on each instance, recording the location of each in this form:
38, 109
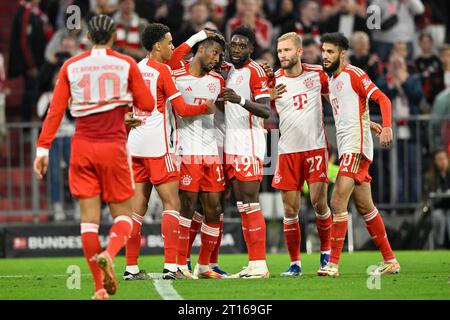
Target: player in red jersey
201, 173
151, 150
350, 91
246, 99
302, 148
98, 86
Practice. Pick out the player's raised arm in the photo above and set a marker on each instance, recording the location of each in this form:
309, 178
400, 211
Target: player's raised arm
52, 121
183, 49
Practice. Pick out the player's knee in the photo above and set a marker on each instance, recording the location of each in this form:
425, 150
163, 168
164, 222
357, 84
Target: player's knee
337, 205
172, 204
319, 203
291, 211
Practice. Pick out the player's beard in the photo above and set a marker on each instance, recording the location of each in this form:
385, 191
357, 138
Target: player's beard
332, 68
291, 63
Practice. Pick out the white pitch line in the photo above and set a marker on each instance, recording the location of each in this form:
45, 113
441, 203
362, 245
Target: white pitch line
41, 276
166, 290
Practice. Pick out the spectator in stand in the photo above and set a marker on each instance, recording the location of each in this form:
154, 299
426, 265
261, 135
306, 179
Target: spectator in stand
166, 12
4, 91
361, 56
345, 20
248, 13
397, 25
129, 29
59, 155
437, 180
284, 13
305, 22
67, 48
430, 69
436, 21
405, 92
198, 20
217, 13
444, 55
331, 7
106, 7
311, 51
29, 36
440, 120
79, 34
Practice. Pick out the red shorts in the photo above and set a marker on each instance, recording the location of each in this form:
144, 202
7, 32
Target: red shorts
355, 166
243, 168
201, 173
155, 170
100, 168
294, 168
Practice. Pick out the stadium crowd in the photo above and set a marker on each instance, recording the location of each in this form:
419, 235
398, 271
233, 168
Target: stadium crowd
407, 55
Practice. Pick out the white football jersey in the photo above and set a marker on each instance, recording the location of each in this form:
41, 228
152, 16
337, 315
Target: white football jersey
244, 133
197, 135
301, 111
350, 92
152, 138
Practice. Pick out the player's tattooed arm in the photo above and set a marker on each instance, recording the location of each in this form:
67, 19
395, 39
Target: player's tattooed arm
260, 108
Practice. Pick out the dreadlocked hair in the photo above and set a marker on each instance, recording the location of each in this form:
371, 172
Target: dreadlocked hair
101, 28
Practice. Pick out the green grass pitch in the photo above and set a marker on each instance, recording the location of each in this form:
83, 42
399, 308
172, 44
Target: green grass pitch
424, 275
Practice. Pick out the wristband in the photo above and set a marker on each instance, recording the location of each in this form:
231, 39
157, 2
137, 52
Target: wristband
242, 102
41, 152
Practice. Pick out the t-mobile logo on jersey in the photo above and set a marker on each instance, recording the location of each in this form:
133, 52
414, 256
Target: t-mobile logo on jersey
200, 101
300, 100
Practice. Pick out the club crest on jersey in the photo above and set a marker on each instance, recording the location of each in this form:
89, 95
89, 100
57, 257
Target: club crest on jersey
309, 83
263, 85
277, 178
339, 86
212, 87
239, 79
186, 180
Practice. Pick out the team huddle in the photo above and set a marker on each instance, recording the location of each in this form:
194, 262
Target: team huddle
195, 128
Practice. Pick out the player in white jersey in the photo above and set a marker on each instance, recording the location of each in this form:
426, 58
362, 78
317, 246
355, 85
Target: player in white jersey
246, 99
98, 86
201, 173
350, 91
302, 147
149, 145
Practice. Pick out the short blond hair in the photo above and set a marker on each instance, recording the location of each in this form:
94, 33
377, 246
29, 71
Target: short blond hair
296, 39
358, 36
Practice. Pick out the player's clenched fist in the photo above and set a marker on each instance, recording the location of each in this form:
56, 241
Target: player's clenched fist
231, 96
40, 166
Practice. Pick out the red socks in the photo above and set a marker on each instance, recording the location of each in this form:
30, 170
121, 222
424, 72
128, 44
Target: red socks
119, 234
256, 231
338, 232
92, 247
323, 224
215, 253
291, 228
183, 241
196, 223
209, 235
133, 246
170, 233
375, 226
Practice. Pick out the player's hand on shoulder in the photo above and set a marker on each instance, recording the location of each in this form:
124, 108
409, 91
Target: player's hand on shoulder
277, 91
268, 69
231, 96
131, 121
386, 137
40, 166
376, 128
211, 106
